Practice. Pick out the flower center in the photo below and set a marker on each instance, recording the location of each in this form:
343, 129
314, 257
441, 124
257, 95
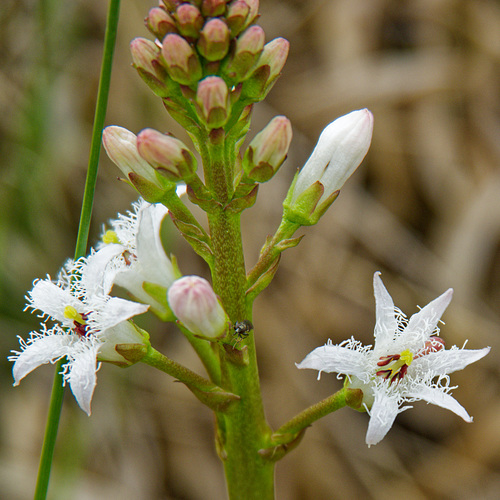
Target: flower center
110, 237
395, 365
79, 320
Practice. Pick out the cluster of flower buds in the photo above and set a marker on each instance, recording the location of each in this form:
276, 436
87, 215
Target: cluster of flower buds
152, 162
209, 59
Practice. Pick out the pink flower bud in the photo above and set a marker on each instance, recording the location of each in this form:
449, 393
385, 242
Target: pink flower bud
196, 306
212, 100
166, 154
268, 150
213, 8
248, 48
121, 146
268, 69
181, 61
189, 20
214, 40
237, 13
159, 22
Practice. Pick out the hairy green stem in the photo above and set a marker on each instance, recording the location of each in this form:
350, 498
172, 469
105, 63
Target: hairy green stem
56, 399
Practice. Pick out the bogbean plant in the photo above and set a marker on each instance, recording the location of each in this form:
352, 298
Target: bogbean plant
209, 64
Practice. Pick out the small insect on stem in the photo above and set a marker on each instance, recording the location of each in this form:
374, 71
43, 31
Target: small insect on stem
242, 330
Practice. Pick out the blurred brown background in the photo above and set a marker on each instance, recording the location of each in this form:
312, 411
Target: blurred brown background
424, 209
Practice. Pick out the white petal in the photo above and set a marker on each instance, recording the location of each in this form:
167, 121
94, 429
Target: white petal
385, 316
155, 265
51, 300
113, 311
422, 324
438, 397
448, 361
124, 333
333, 358
40, 351
82, 375
382, 415
96, 277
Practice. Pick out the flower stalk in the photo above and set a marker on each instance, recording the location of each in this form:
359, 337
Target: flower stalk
57, 396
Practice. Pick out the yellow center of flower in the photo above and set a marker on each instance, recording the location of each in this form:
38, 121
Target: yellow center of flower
395, 365
110, 237
71, 313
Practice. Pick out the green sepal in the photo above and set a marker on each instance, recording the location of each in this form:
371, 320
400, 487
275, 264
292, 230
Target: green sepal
216, 399
302, 210
196, 239
237, 205
285, 443
133, 353
150, 191
263, 281
159, 294
289, 243
238, 357
202, 197
182, 114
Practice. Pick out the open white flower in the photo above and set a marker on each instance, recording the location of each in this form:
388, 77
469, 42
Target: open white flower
407, 363
90, 324
141, 258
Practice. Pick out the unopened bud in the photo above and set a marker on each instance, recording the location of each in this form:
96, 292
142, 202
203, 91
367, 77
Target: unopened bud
341, 148
214, 40
159, 22
268, 150
146, 60
248, 48
237, 13
212, 100
268, 69
196, 306
213, 8
253, 5
189, 20
166, 154
181, 61
121, 146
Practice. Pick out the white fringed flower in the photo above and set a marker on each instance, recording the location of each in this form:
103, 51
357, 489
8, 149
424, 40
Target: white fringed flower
89, 325
141, 257
407, 363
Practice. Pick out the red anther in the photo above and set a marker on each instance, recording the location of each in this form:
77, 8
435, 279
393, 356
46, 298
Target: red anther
385, 360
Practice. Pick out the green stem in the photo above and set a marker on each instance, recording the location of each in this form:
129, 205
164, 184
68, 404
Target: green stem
343, 397
81, 244
243, 431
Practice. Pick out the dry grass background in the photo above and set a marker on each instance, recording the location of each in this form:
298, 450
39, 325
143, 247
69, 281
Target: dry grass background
424, 209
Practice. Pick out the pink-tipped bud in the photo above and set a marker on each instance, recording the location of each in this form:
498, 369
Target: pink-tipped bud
213, 8
247, 50
212, 101
341, 148
213, 44
254, 12
268, 150
237, 13
146, 60
268, 69
159, 22
121, 146
181, 61
189, 20
166, 154
196, 306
